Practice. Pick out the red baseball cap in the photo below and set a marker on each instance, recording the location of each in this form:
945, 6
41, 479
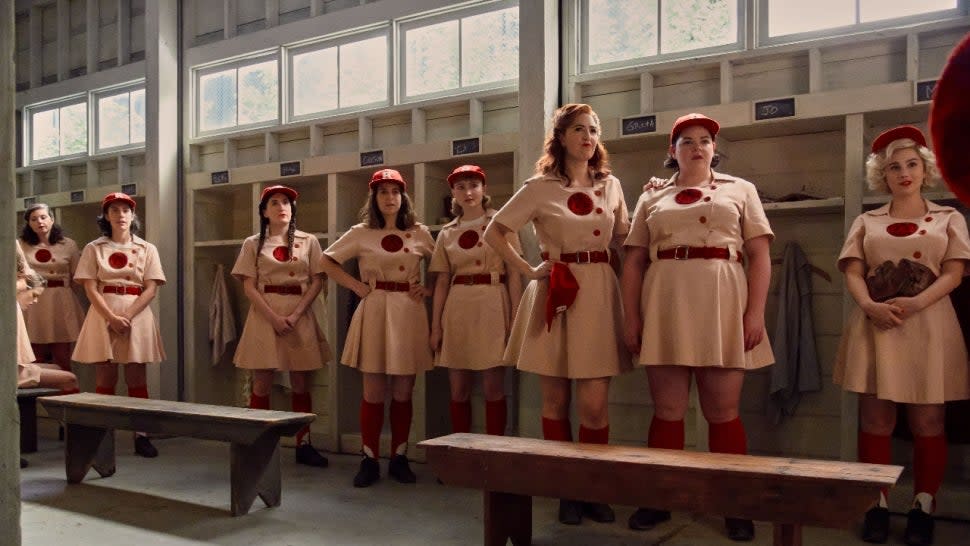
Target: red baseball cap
563, 288
687, 120
278, 188
886, 138
949, 119
387, 175
473, 171
116, 196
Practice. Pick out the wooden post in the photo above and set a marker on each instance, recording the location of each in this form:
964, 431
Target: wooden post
86, 448
507, 516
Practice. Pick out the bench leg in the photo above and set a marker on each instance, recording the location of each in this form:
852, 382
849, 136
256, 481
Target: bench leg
507, 516
255, 470
86, 448
28, 424
788, 534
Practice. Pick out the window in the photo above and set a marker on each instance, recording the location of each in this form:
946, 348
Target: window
795, 19
335, 76
121, 119
628, 32
245, 94
472, 49
58, 131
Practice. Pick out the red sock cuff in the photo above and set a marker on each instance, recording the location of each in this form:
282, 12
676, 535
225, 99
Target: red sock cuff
594, 435
138, 392
557, 429
105, 390
302, 402
258, 402
727, 437
666, 434
496, 416
461, 416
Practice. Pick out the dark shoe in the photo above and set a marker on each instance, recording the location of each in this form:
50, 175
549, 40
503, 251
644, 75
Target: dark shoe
570, 512
740, 530
144, 447
645, 518
399, 469
24, 463
875, 529
368, 474
919, 528
598, 512
306, 454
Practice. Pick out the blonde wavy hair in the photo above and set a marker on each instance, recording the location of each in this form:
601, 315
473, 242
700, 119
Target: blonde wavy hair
876, 165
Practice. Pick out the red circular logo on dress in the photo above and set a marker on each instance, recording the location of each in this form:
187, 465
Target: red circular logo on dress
392, 243
468, 239
43, 255
902, 229
281, 253
118, 260
580, 204
688, 196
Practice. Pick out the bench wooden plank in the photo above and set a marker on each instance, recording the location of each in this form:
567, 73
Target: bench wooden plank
27, 406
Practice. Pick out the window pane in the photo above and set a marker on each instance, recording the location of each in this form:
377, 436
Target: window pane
315, 81
432, 58
363, 72
494, 59
138, 116
113, 121
876, 10
258, 92
696, 24
794, 16
217, 97
44, 134
620, 30
74, 129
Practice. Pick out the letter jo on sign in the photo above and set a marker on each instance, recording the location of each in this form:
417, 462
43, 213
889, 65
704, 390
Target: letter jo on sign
777, 108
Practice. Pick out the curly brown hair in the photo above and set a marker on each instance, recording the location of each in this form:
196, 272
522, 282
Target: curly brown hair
554, 155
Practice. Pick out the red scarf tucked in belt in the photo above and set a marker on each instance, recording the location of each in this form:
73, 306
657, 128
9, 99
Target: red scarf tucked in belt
562, 291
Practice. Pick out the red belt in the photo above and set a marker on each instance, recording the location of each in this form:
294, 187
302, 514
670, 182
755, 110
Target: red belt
286, 289
392, 286
481, 278
120, 290
55, 283
696, 252
582, 257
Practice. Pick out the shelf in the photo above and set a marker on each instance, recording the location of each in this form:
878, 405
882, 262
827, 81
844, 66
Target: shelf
239, 242
832, 204
931, 195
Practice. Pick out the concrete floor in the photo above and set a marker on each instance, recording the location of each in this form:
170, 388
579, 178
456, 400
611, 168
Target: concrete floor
182, 497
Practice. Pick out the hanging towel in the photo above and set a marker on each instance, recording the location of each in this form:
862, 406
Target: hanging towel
796, 368
222, 324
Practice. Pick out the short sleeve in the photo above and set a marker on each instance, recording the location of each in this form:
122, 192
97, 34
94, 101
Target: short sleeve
87, 265
518, 211
245, 265
153, 265
73, 254
315, 255
958, 242
439, 258
754, 221
621, 215
852, 248
347, 246
425, 241
639, 234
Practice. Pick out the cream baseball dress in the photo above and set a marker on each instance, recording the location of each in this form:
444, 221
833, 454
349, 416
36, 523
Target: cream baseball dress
260, 347
924, 360
57, 315
585, 341
475, 321
389, 331
692, 309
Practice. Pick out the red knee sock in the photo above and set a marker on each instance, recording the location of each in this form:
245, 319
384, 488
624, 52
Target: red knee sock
875, 449
400, 426
728, 437
258, 402
138, 392
594, 435
557, 429
302, 403
461, 416
371, 423
496, 415
104, 390
666, 434
929, 463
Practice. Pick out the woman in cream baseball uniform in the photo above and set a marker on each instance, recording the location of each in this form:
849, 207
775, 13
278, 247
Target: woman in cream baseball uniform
904, 350
280, 271
473, 307
577, 209
121, 273
54, 321
388, 335
696, 312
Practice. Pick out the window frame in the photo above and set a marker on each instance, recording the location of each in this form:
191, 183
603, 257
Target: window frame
94, 117
259, 57
47, 106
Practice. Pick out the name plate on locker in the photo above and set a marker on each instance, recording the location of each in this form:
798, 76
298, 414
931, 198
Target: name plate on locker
29, 201
465, 146
369, 159
777, 108
129, 189
924, 91
638, 125
77, 196
220, 177
291, 168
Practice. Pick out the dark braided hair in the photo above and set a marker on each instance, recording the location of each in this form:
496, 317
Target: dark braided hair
28, 235
264, 223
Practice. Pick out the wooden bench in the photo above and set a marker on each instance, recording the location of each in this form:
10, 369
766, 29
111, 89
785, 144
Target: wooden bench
787, 492
27, 404
254, 435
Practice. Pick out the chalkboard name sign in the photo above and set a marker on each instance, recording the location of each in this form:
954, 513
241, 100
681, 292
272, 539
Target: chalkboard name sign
369, 159
924, 90
464, 146
638, 125
129, 189
29, 202
771, 109
220, 177
77, 196
290, 168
